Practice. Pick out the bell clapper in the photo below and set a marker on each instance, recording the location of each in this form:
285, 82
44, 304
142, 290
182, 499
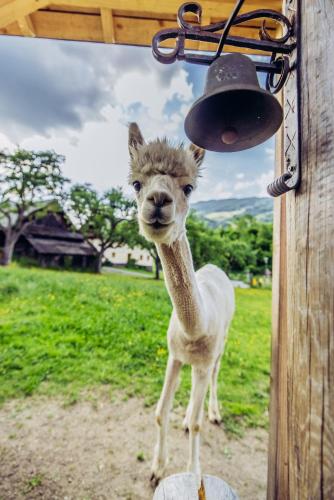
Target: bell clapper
229, 136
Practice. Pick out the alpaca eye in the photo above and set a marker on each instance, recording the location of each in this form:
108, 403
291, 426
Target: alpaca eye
137, 186
187, 189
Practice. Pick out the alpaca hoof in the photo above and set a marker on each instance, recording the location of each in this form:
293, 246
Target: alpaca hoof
214, 417
216, 421
185, 426
154, 480
157, 470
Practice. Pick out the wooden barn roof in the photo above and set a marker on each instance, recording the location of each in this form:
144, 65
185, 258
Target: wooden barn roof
132, 22
60, 247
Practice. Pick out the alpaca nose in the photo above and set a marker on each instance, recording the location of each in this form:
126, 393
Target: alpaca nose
159, 198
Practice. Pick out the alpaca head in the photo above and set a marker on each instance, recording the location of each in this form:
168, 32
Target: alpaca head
163, 178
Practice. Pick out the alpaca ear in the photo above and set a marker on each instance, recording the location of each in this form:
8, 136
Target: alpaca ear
198, 154
135, 138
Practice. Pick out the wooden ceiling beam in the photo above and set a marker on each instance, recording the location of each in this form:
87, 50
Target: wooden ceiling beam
211, 8
26, 26
131, 22
129, 31
107, 21
18, 9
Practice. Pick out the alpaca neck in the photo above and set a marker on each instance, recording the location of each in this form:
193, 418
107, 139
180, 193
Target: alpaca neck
182, 286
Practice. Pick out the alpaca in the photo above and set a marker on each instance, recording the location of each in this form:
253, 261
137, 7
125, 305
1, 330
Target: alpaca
163, 178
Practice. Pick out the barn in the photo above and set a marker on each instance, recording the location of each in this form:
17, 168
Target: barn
51, 242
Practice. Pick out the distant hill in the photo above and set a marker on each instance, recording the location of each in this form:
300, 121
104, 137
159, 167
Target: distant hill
221, 212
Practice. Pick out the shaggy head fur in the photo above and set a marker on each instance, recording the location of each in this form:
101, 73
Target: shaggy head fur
163, 177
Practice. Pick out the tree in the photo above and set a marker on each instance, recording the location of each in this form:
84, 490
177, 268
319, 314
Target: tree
29, 182
142, 242
205, 242
106, 218
256, 239
245, 244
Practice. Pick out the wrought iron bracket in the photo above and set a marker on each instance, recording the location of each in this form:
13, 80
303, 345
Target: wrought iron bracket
291, 125
279, 49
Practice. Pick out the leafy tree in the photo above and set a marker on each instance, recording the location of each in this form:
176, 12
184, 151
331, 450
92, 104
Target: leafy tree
140, 241
257, 239
29, 182
244, 245
205, 242
107, 218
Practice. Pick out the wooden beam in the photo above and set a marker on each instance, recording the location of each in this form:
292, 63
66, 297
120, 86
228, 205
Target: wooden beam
18, 9
127, 30
107, 25
26, 26
278, 449
212, 8
301, 459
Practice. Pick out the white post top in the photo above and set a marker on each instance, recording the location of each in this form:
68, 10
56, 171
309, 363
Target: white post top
183, 487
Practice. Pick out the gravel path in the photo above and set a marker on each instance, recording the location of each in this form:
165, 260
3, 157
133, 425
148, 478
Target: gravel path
101, 449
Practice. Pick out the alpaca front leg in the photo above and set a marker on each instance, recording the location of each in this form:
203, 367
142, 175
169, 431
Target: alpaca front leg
162, 418
200, 382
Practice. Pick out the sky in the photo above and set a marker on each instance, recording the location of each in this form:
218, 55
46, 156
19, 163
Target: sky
77, 98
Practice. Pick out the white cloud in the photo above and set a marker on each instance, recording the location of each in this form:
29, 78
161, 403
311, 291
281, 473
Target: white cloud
254, 187
105, 88
98, 154
145, 90
270, 153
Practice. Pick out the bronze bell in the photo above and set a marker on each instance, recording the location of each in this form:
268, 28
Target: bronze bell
234, 113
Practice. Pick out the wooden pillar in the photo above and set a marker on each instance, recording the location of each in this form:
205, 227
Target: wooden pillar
301, 446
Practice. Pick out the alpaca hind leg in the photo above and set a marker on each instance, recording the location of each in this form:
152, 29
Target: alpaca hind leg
162, 418
214, 413
185, 423
200, 382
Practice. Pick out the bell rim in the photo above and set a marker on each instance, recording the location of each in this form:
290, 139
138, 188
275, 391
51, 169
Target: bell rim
231, 148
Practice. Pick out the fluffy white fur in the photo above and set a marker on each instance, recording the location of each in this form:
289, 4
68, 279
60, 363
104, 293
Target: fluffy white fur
203, 301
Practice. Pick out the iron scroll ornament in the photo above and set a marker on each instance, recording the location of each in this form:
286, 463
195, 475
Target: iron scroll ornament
279, 49
277, 69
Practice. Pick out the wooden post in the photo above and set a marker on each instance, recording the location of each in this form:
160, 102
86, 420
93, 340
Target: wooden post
301, 445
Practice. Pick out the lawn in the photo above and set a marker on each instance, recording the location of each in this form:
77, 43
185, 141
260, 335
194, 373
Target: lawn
61, 332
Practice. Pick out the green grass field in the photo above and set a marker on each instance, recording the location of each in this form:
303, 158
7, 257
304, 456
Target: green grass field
61, 332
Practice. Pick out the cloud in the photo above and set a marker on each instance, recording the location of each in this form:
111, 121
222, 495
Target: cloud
255, 187
42, 89
138, 93
270, 153
77, 99
49, 87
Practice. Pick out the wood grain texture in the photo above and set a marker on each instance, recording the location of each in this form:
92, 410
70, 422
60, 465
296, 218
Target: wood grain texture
278, 451
108, 25
26, 26
305, 379
183, 487
133, 22
123, 30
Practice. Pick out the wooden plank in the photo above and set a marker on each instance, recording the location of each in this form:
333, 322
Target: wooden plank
26, 26
17, 9
277, 450
108, 25
67, 26
310, 247
306, 470
61, 25
210, 8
